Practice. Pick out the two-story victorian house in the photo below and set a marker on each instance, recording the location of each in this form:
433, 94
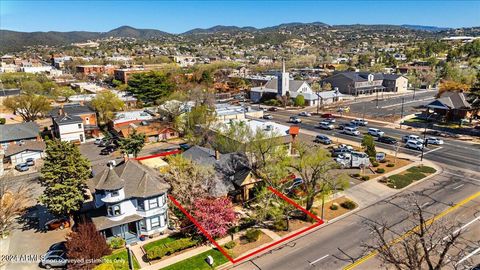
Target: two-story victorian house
129, 200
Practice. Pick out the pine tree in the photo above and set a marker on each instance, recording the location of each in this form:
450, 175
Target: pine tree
64, 177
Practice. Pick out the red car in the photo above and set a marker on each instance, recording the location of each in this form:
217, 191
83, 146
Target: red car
327, 115
58, 223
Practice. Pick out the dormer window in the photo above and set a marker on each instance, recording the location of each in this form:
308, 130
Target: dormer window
114, 210
370, 77
115, 193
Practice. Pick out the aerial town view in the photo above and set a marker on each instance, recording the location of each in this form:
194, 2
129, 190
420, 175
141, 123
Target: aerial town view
243, 135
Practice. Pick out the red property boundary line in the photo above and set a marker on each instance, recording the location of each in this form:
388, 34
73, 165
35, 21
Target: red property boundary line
276, 192
164, 154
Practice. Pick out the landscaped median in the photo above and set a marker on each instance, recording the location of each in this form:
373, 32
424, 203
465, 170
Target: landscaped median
408, 176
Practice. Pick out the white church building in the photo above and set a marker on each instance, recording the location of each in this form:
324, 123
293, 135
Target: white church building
283, 86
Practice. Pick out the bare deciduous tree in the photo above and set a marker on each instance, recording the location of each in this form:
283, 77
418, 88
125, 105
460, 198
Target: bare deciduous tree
13, 202
432, 243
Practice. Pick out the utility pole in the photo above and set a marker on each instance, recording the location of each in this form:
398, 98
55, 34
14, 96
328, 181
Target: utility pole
364, 111
401, 115
377, 99
414, 93
318, 102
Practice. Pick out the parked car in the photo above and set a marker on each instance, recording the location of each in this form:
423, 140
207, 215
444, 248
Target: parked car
434, 140
416, 145
60, 246
104, 142
322, 139
58, 223
295, 120
387, 140
295, 183
330, 120
375, 132
184, 146
108, 149
22, 167
326, 125
340, 151
55, 258
327, 115
346, 146
98, 141
407, 138
30, 161
351, 131
306, 114
267, 116
359, 122
272, 109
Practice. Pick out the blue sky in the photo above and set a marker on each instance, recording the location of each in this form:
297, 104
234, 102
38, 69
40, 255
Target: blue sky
180, 16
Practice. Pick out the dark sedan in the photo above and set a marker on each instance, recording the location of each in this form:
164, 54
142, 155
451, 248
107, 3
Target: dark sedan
387, 140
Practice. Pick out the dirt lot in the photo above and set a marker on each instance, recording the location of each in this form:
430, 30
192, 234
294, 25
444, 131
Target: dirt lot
243, 246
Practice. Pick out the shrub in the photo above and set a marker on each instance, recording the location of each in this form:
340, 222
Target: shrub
383, 161
158, 252
375, 164
365, 178
380, 170
311, 219
280, 225
230, 245
334, 206
390, 165
356, 175
348, 205
117, 243
3, 121
252, 235
272, 102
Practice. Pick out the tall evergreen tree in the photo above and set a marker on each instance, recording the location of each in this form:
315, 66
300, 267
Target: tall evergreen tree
64, 177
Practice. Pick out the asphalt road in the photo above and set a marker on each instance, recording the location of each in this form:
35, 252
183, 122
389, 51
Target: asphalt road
390, 106
456, 153
340, 243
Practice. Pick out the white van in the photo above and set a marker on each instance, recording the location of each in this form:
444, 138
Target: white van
351, 131
375, 132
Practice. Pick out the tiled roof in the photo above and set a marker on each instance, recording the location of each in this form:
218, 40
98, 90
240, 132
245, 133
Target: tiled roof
17, 132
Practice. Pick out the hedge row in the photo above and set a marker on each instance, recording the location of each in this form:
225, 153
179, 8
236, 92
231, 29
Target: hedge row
158, 252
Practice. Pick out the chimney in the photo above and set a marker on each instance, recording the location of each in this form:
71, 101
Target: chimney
217, 155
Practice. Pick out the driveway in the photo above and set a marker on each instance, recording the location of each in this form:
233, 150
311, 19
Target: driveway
30, 241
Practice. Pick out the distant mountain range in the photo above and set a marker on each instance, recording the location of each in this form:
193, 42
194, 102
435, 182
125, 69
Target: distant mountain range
15, 41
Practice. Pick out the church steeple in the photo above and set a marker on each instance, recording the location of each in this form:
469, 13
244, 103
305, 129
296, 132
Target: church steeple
283, 81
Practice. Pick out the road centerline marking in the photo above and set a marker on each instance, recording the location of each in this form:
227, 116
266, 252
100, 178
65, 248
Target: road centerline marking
319, 259
408, 233
459, 186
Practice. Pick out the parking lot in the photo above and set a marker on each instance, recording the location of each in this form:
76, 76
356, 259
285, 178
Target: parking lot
30, 240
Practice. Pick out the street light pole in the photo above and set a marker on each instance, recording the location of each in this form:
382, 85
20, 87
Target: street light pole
401, 115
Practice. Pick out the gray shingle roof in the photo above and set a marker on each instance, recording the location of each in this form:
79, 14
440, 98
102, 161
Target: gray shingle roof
293, 85
17, 132
358, 76
139, 181
109, 180
67, 119
72, 109
13, 149
454, 100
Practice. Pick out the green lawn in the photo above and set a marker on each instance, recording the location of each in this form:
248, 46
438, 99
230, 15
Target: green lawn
412, 174
119, 260
198, 262
160, 242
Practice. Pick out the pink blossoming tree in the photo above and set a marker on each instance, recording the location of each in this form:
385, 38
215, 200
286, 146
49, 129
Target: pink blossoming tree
216, 216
